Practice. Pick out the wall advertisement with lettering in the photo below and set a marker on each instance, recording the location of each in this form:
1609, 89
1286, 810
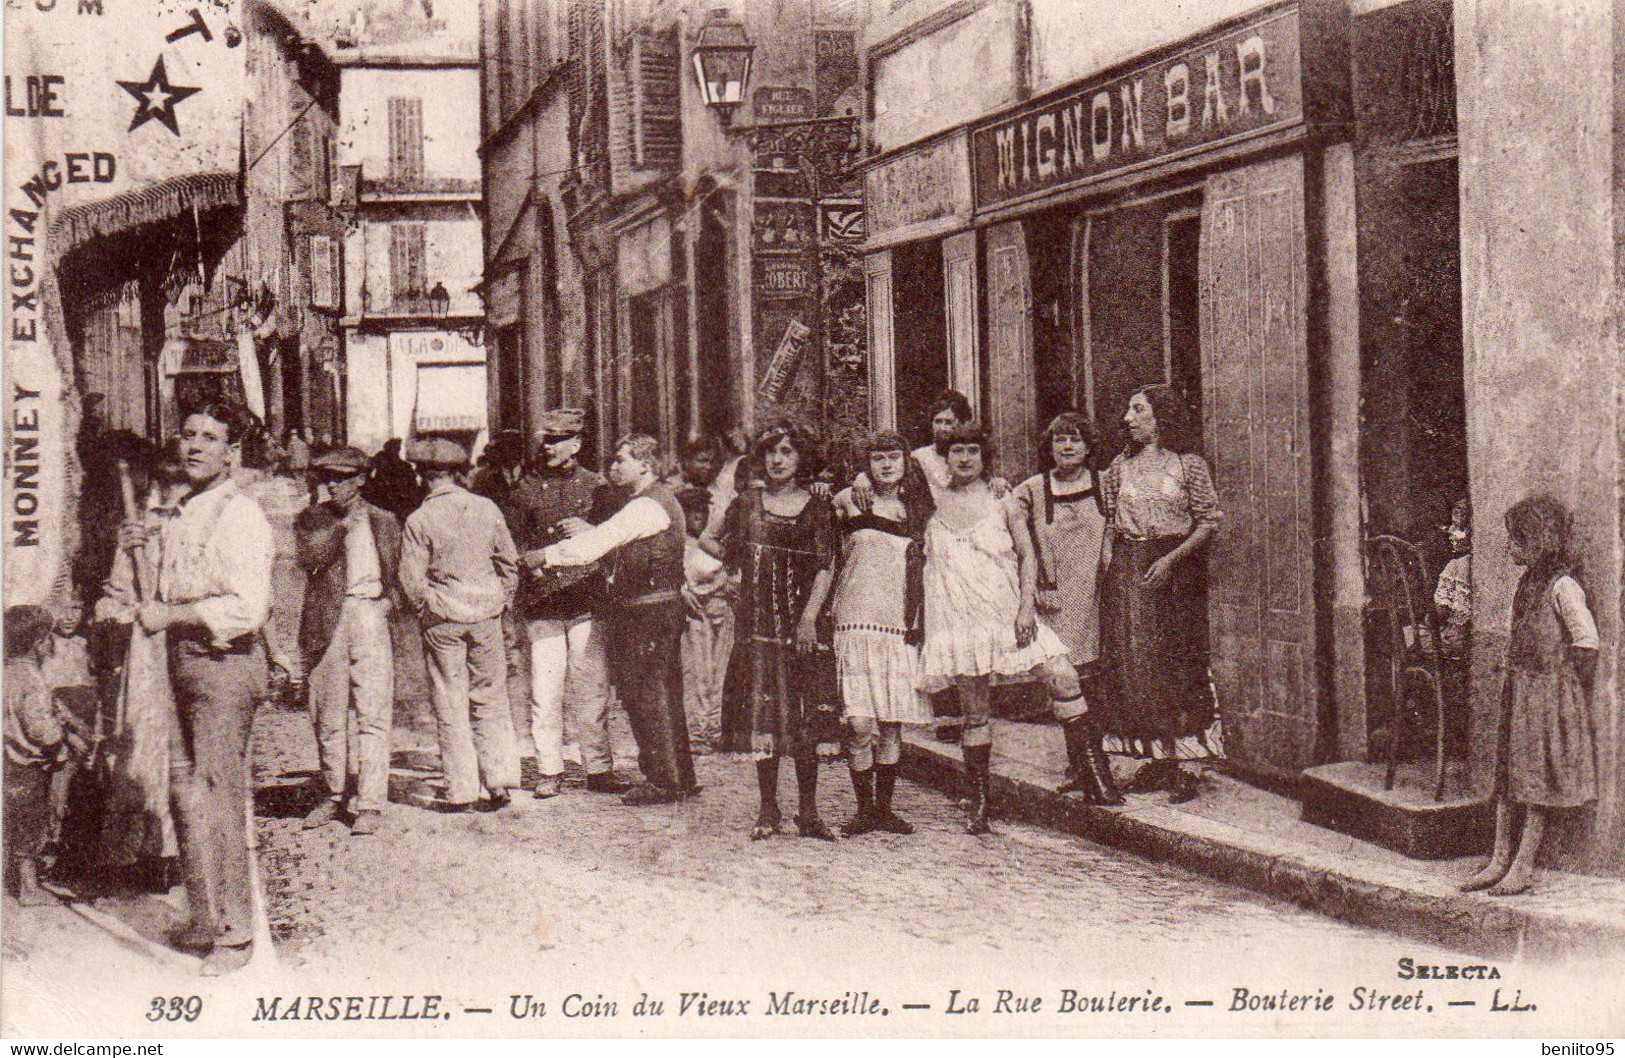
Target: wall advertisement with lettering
109, 124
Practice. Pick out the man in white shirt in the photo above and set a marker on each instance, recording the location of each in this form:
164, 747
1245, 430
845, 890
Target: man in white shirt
213, 599
643, 613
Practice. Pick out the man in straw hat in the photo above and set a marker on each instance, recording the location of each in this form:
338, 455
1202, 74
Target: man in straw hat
350, 552
642, 611
459, 571
565, 644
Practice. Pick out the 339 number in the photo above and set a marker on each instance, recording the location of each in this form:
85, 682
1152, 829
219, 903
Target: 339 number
175, 1008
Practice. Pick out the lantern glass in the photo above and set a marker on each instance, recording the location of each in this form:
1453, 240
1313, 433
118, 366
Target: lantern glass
722, 73
439, 300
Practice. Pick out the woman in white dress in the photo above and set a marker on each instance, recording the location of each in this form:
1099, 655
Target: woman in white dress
981, 619
878, 611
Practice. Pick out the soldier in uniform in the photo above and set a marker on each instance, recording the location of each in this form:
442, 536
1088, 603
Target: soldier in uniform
563, 644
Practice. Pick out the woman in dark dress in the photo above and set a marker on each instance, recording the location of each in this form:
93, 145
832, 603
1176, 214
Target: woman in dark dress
780, 538
1161, 510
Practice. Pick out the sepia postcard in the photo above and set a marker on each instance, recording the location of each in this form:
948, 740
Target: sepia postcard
813, 518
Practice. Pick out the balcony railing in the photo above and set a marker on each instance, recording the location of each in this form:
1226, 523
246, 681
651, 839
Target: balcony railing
419, 185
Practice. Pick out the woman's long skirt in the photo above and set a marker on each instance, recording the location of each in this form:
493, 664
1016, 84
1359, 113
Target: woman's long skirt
1155, 699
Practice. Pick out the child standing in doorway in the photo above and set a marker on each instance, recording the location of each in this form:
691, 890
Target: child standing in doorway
1546, 751
1453, 603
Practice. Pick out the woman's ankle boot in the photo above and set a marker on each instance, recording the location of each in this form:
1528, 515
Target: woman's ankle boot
1087, 764
808, 823
885, 785
864, 820
767, 783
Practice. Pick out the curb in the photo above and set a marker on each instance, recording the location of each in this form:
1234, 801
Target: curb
1482, 925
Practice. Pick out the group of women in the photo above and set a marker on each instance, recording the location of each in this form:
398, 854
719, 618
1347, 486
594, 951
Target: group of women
1092, 585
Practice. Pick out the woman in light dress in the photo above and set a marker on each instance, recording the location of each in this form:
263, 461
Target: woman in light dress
981, 618
1062, 511
878, 614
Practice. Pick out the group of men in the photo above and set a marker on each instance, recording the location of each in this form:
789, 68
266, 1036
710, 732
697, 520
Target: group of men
580, 575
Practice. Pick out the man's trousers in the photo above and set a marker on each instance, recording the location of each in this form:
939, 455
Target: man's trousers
357, 673
644, 648
569, 676
468, 683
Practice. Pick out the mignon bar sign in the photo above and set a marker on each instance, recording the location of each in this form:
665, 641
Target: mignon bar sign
1238, 83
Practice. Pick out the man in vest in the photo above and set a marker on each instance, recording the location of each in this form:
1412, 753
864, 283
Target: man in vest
642, 612
564, 646
350, 552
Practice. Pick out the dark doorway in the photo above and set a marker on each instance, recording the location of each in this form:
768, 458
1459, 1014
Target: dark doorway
716, 377
1182, 307
645, 321
921, 334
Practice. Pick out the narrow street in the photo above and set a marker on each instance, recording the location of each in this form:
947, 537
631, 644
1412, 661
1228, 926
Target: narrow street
583, 880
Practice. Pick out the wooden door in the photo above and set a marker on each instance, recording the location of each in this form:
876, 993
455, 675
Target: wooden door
1256, 413
1012, 395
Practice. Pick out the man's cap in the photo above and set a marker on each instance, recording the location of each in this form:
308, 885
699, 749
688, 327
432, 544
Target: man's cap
340, 462
561, 422
437, 452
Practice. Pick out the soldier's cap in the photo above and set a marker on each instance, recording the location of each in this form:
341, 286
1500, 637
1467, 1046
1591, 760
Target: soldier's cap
562, 422
341, 462
438, 452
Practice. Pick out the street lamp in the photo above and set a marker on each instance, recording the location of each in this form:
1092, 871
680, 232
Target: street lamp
439, 300
722, 54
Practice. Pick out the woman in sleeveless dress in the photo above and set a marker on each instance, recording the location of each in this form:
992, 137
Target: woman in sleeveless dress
1161, 510
878, 614
779, 537
982, 624
1063, 513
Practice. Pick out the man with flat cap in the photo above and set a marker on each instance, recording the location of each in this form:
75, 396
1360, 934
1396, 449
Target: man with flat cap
565, 645
459, 571
642, 611
351, 553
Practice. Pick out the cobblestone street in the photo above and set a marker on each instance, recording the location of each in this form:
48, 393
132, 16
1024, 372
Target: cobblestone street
580, 876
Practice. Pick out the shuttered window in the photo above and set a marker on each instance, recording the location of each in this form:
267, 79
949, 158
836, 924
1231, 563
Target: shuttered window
656, 131
405, 139
324, 272
407, 272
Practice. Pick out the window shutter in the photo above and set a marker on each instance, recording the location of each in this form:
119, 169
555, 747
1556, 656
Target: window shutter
407, 241
405, 139
324, 272
656, 128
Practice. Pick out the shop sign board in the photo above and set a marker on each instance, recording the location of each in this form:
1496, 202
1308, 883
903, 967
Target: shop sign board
929, 183
782, 277
774, 103
1240, 82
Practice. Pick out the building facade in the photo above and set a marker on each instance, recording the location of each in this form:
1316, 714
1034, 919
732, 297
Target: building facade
652, 257
1265, 206
408, 183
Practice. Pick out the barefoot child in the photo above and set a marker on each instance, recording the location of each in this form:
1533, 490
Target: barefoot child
1546, 756
37, 741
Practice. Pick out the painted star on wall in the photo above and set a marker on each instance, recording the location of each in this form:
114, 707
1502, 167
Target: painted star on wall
156, 98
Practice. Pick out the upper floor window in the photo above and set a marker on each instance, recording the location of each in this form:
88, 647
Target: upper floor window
405, 138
